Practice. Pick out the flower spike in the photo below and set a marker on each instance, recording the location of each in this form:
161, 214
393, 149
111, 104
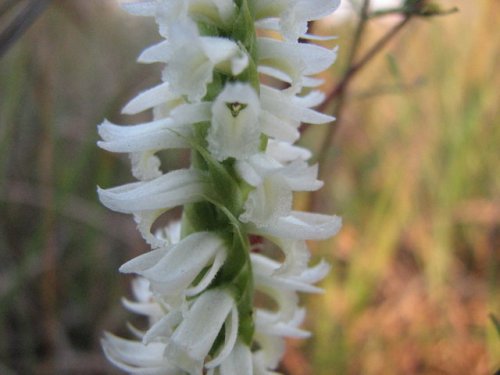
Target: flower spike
196, 285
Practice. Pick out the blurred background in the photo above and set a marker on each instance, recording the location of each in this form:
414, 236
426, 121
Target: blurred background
413, 169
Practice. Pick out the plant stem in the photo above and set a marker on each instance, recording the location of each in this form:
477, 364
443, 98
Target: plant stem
340, 90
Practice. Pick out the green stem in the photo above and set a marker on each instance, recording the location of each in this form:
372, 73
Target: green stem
225, 197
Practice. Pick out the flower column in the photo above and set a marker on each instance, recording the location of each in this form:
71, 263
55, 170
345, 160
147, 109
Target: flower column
197, 284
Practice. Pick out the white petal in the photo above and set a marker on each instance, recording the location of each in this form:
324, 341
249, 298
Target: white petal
226, 8
271, 324
220, 257
188, 70
171, 232
144, 261
258, 363
285, 105
192, 113
273, 349
195, 336
133, 354
231, 334
301, 226
314, 274
279, 129
145, 220
285, 152
265, 274
239, 361
267, 202
151, 309
149, 99
294, 60
170, 190
299, 176
160, 52
296, 256
163, 328
156, 135
179, 265
145, 165
294, 19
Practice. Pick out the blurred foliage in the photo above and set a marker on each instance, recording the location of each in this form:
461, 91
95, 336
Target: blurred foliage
413, 171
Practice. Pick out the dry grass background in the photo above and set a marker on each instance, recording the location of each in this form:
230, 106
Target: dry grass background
413, 169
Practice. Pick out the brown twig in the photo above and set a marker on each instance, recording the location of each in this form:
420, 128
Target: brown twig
339, 91
21, 23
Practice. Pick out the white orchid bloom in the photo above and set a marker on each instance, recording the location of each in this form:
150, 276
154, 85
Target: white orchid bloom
170, 190
145, 303
299, 226
216, 12
284, 152
238, 362
235, 130
266, 271
274, 184
136, 358
191, 59
292, 63
293, 15
283, 112
192, 340
173, 269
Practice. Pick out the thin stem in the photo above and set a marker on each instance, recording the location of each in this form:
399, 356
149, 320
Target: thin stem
340, 90
21, 23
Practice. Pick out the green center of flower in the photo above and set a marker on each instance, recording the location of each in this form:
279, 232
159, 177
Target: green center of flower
235, 108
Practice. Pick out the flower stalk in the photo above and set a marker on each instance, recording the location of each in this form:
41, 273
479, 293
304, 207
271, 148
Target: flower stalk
197, 285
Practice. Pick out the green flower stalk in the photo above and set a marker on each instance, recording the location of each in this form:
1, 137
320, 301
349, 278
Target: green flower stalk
197, 284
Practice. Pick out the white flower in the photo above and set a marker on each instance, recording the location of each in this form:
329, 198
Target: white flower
293, 15
238, 362
192, 340
137, 358
217, 12
293, 62
191, 59
145, 302
284, 152
299, 226
283, 112
173, 269
167, 191
266, 272
235, 130
274, 184
142, 141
